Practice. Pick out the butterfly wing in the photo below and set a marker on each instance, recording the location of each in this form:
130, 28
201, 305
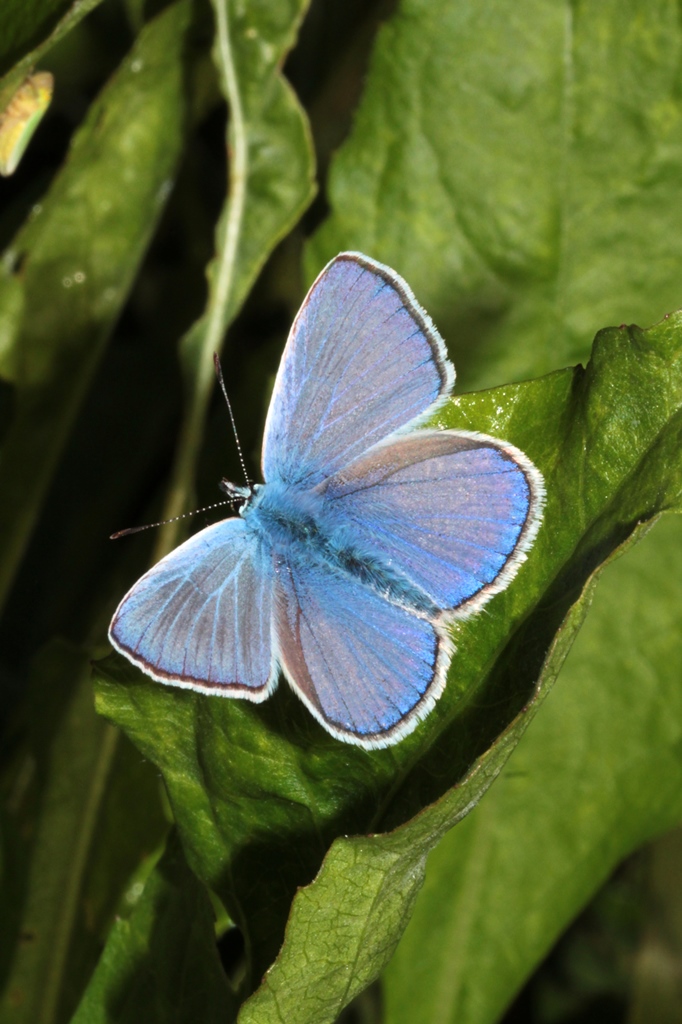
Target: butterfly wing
201, 618
362, 360
368, 670
453, 512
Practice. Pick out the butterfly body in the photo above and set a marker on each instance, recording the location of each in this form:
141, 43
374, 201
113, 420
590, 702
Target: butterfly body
369, 536
301, 525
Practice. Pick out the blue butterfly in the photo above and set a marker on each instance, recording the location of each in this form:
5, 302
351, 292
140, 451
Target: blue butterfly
368, 537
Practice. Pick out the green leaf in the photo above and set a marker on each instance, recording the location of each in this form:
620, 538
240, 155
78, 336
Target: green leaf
68, 272
66, 279
256, 786
521, 166
575, 798
656, 993
13, 872
161, 964
72, 795
271, 183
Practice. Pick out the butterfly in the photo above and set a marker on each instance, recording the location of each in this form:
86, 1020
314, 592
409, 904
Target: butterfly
369, 536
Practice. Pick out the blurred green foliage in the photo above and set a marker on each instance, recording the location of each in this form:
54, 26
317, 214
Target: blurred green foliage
521, 166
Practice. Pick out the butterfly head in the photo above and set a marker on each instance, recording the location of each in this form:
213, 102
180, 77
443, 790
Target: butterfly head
235, 492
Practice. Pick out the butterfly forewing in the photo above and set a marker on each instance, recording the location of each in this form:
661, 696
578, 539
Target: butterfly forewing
362, 360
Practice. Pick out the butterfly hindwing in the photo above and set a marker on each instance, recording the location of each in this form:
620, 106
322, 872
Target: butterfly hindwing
362, 360
453, 512
202, 616
367, 669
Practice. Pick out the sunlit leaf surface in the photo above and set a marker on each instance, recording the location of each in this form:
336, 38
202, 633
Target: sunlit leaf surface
252, 786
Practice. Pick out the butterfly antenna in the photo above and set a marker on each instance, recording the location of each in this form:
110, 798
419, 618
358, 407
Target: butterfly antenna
185, 515
219, 374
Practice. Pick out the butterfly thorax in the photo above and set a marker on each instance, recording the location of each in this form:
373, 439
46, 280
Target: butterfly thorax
282, 515
291, 521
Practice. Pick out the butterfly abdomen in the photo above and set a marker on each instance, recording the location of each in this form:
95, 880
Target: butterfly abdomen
381, 578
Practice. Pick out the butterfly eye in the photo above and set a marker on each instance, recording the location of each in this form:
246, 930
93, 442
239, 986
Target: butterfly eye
21, 117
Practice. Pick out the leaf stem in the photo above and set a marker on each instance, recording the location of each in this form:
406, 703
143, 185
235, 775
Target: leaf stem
212, 326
